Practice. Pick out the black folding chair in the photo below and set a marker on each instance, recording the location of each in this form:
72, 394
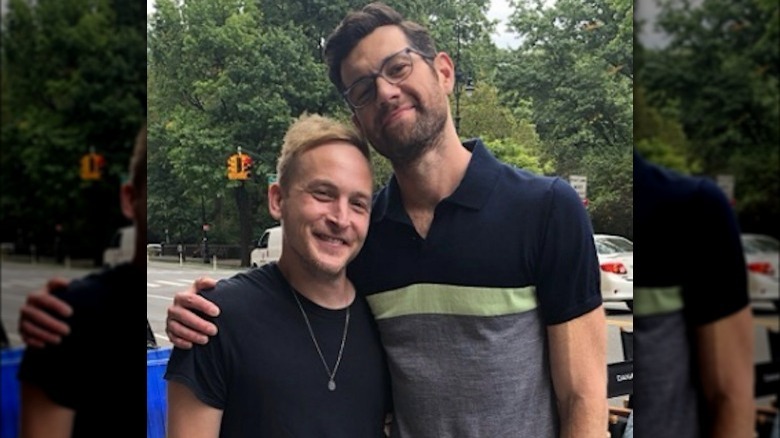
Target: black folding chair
627, 340
3, 337
620, 381
151, 342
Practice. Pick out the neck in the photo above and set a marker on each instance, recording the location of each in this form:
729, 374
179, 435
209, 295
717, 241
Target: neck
331, 292
434, 176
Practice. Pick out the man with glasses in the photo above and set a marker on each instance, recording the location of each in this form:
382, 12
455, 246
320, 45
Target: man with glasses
483, 278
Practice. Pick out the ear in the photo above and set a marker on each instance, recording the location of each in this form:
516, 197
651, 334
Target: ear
127, 200
275, 196
445, 68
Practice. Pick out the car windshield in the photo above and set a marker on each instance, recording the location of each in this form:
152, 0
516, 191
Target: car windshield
757, 244
613, 245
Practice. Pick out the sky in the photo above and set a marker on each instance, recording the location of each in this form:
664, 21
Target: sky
500, 10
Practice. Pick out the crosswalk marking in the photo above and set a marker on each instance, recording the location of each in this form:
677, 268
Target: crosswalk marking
173, 283
32, 283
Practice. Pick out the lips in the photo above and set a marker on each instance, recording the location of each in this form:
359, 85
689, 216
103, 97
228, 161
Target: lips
395, 113
331, 240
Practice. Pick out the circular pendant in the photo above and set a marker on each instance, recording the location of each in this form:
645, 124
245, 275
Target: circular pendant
332, 385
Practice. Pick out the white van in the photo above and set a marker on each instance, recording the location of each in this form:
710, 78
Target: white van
269, 247
122, 247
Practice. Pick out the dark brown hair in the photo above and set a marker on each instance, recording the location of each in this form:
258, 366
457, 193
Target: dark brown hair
358, 24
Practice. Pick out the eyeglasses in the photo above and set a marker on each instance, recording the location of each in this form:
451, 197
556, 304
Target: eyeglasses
394, 69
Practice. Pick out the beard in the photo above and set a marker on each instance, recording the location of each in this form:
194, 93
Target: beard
403, 145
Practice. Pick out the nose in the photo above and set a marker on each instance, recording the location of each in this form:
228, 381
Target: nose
338, 216
385, 90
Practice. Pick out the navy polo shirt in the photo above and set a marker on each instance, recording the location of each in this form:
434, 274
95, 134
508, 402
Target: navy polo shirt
463, 313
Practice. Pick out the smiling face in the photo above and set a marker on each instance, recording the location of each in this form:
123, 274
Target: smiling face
325, 210
407, 118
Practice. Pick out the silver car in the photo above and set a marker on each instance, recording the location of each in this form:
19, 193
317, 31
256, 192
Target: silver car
616, 261
762, 255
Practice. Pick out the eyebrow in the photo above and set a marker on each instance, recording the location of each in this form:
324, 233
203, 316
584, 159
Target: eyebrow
323, 183
375, 72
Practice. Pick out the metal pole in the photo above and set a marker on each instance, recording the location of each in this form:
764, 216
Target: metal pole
205, 244
457, 79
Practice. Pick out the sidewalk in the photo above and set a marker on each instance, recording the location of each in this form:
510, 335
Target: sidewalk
47, 261
198, 262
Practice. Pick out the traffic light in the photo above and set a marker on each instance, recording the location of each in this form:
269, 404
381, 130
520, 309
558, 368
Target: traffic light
246, 164
233, 166
92, 166
239, 167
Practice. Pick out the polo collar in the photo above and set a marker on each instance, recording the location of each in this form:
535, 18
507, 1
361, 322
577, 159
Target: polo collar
472, 192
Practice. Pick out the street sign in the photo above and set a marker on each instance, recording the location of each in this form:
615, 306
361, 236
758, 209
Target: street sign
580, 185
726, 183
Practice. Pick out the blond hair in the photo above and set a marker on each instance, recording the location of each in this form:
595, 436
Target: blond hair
308, 132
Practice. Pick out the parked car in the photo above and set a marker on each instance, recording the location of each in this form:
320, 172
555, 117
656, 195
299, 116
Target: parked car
121, 248
762, 256
154, 249
616, 261
269, 247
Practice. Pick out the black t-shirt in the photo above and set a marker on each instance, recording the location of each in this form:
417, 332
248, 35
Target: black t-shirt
87, 371
263, 370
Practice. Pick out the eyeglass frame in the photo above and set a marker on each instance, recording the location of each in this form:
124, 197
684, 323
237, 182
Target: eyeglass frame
380, 73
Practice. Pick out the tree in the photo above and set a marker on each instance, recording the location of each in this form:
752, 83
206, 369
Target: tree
574, 66
73, 79
719, 74
224, 79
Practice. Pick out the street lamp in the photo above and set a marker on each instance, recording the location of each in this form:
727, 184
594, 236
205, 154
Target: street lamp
459, 79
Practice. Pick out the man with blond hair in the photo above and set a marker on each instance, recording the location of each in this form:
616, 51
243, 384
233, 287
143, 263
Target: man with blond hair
297, 352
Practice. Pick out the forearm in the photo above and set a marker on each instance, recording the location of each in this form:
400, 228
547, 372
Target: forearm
727, 372
732, 416
583, 417
578, 361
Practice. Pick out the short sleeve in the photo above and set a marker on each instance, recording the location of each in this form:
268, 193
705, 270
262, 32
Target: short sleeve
568, 274
717, 284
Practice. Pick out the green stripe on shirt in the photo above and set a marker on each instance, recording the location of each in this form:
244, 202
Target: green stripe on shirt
444, 299
650, 301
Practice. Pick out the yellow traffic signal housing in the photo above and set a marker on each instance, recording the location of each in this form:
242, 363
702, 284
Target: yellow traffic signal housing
92, 166
239, 167
233, 163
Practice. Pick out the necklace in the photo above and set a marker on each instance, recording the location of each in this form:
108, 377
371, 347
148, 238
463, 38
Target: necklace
331, 374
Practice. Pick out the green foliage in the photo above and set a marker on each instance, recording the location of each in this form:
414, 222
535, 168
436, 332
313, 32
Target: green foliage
718, 78
224, 74
224, 80
575, 69
73, 79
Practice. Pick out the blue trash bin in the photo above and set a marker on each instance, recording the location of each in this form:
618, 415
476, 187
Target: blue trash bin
10, 358
156, 398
